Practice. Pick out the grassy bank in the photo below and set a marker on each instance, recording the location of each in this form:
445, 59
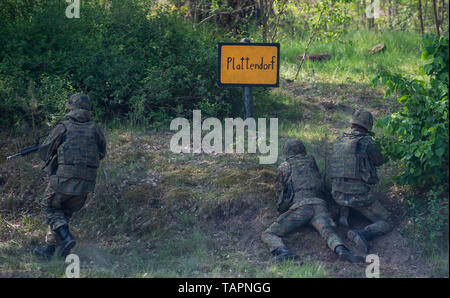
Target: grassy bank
350, 60
159, 214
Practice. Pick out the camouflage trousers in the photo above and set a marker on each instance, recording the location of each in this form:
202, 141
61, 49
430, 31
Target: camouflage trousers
58, 209
370, 208
315, 214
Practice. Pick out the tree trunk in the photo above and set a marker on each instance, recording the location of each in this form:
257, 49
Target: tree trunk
390, 13
436, 20
263, 20
371, 21
357, 14
394, 8
421, 17
363, 14
311, 38
277, 23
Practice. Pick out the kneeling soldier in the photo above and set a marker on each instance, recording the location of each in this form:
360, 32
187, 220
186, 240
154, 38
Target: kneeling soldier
353, 170
72, 152
301, 202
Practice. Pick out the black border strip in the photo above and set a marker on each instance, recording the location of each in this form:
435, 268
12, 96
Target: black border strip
277, 45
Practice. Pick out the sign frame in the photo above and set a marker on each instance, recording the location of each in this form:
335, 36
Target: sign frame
256, 44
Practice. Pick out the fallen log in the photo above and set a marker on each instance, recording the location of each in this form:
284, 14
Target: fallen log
377, 48
315, 57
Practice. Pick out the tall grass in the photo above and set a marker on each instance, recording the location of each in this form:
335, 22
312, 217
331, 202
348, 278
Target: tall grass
350, 59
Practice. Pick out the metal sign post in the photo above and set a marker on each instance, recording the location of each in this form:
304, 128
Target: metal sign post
246, 64
248, 100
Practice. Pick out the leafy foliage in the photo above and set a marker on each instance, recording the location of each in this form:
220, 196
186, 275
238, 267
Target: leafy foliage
417, 136
132, 60
430, 219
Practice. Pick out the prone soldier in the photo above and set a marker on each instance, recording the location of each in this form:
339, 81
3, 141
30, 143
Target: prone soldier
353, 169
301, 202
72, 152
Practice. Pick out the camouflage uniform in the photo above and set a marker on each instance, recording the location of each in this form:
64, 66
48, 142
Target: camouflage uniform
353, 169
304, 204
72, 152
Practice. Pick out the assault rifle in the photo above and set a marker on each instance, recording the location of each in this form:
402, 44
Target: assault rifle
27, 150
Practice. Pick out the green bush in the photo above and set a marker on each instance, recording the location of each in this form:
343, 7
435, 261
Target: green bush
134, 62
428, 215
417, 136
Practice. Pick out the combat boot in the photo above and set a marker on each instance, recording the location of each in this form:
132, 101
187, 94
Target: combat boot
67, 241
46, 252
282, 254
345, 255
360, 238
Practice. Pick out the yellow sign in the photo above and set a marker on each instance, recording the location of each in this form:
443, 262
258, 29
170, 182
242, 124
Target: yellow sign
249, 64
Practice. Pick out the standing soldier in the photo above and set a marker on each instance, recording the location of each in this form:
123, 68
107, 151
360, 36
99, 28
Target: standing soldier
353, 169
72, 153
301, 202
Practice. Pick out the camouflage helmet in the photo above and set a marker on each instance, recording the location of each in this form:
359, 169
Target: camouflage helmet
363, 118
80, 101
293, 147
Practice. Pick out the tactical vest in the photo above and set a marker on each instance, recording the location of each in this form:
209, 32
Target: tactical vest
78, 156
305, 177
303, 185
348, 156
